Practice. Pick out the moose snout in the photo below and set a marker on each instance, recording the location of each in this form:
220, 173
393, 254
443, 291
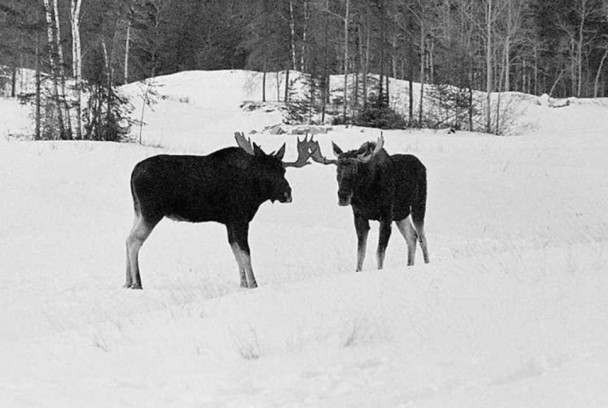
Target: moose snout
286, 197
344, 198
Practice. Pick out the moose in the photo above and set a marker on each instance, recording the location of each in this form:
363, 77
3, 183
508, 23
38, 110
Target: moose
384, 188
227, 186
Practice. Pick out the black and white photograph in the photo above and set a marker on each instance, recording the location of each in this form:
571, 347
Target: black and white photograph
303, 203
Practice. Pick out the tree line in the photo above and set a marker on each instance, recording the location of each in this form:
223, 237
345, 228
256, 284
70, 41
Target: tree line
558, 47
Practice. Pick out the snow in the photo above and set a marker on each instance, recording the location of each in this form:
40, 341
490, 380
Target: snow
511, 312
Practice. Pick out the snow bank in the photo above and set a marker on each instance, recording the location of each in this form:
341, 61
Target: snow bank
511, 311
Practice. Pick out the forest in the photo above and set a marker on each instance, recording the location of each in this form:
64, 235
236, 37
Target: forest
554, 47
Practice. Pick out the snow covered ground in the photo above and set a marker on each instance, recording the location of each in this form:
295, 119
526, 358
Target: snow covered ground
512, 311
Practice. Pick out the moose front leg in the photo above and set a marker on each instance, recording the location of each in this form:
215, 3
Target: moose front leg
362, 228
384, 236
238, 239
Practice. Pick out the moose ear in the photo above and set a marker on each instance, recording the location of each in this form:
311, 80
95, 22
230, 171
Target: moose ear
280, 153
337, 150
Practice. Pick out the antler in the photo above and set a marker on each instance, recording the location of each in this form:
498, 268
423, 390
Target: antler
304, 153
244, 143
316, 154
379, 143
367, 156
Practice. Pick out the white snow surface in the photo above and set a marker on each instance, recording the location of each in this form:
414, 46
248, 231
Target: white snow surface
512, 311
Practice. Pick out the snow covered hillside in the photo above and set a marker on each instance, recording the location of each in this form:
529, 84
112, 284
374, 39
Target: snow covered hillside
512, 311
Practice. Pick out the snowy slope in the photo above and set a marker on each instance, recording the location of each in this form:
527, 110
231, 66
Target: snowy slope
511, 312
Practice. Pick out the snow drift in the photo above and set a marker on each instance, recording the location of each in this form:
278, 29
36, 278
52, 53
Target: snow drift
511, 311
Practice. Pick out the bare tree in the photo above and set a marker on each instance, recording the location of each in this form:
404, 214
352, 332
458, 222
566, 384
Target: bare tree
514, 27
346, 22
61, 67
54, 46
598, 74
292, 31
346, 18
490, 14
127, 48
423, 12
77, 61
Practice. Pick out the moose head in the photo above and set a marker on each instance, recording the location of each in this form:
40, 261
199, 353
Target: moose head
350, 164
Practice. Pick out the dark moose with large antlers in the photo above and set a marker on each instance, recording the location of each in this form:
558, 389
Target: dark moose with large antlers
384, 188
227, 186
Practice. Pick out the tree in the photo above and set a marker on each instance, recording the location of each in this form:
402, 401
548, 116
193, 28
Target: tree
75, 7
56, 64
345, 18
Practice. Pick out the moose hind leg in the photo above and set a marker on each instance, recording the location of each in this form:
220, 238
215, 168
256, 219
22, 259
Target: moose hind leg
385, 235
409, 234
419, 226
139, 233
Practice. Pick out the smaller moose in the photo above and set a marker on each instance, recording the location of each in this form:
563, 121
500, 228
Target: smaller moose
227, 186
382, 188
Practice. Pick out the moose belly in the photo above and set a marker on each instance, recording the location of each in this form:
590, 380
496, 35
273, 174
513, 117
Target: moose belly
371, 212
200, 214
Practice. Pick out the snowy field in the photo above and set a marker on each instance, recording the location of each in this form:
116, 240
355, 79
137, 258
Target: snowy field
512, 311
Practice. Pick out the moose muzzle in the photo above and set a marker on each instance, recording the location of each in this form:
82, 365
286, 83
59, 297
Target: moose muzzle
286, 197
344, 198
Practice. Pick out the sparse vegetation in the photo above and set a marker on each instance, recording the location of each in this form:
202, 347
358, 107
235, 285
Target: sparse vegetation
451, 48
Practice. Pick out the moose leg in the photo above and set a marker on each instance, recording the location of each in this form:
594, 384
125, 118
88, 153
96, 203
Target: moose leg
238, 239
237, 254
384, 236
419, 226
362, 228
139, 233
409, 234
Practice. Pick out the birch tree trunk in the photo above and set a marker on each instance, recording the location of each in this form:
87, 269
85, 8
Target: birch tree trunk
507, 63
107, 56
61, 62
286, 99
326, 82
346, 20
422, 71
38, 90
127, 47
489, 67
598, 73
366, 66
579, 48
77, 62
53, 63
264, 84
304, 50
